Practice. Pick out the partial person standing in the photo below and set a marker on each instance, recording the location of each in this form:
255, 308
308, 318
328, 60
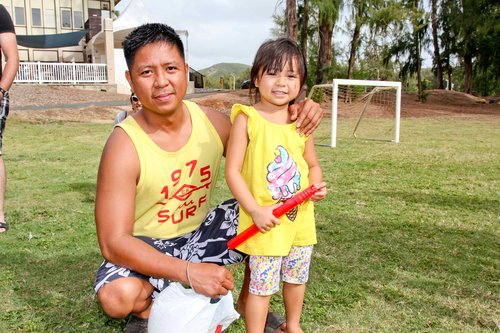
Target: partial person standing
135, 107
8, 45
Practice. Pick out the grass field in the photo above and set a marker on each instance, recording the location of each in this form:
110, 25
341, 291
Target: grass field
408, 236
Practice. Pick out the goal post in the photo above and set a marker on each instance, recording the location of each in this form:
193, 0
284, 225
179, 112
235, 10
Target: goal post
360, 96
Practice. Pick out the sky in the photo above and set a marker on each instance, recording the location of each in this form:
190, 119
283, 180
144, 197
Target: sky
219, 30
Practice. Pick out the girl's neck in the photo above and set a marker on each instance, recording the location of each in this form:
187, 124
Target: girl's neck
277, 114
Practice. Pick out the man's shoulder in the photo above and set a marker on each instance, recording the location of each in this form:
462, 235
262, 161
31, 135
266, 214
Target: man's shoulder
195, 106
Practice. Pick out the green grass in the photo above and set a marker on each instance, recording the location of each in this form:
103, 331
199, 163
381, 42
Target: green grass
408, 236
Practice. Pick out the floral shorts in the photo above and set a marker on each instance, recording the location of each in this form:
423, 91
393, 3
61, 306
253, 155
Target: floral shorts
206, 244
265, 271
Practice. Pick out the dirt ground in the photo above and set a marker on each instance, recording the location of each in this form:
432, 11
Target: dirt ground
41, 103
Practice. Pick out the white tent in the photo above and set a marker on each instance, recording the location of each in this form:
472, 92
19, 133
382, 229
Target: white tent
132, 15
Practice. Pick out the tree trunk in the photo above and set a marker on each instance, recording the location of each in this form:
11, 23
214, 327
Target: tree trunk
305, 23
437, 56
418, 63
325, 48
468, 74
450, 84
354, 43
291, 19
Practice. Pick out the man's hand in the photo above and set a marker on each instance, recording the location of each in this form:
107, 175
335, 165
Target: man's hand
308, 114
210, 280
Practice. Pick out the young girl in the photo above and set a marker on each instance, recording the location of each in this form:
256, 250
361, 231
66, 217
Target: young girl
267, 163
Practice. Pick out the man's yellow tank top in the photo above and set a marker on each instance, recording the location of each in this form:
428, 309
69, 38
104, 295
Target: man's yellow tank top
274, 170
174, 188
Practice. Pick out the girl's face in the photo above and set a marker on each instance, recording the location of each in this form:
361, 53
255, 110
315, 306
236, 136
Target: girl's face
280, 87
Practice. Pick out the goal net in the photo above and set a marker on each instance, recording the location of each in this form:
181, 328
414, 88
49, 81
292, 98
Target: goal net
369, 110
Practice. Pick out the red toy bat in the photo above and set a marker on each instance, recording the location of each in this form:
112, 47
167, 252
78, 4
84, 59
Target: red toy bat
294, 201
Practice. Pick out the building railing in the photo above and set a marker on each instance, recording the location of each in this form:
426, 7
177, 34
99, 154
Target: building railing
60, 73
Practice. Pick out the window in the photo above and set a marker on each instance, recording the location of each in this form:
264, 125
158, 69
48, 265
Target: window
36, 17
50, 18
77, 19
19, 15
66, 18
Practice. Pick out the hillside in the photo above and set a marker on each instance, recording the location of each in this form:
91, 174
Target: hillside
213, 74
224, 69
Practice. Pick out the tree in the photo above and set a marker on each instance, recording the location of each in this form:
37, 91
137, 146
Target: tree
448, 38
304, 26
327, 17
291, 19
419, 24
437, 56
408, 46
468, 20
360, 12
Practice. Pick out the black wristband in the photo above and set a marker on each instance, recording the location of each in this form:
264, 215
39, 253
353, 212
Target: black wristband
3, 91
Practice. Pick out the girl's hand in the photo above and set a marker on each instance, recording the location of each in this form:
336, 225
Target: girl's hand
264, 219
320, 193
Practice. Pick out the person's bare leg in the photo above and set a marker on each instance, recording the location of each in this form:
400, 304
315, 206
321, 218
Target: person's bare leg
293, 296
124, 296
256, 309
3, 182
243, 296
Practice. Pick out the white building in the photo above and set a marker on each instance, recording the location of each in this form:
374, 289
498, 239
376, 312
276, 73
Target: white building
57, 17
77, 31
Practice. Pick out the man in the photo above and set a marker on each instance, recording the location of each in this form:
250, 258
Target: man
8, 45
157, 172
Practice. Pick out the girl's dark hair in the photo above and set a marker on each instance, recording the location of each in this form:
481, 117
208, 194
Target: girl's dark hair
148, 34
272, 55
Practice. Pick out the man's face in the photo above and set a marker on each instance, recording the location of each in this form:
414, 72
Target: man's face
159, 78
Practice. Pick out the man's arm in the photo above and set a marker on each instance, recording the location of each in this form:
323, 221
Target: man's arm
119, 172
9, 49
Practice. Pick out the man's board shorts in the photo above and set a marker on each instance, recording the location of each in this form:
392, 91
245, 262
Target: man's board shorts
4, 112
207, 244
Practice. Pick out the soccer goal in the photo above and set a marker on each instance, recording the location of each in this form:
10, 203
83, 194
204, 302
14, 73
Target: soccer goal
369, 105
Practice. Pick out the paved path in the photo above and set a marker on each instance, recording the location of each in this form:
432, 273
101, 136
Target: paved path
95, 103
72, 105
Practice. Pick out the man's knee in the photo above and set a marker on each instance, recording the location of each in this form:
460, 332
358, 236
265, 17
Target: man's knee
123, 296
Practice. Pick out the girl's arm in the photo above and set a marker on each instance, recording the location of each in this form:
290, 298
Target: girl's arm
238, 141
315, 173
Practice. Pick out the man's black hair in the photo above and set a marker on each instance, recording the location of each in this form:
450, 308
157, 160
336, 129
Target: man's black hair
147, 34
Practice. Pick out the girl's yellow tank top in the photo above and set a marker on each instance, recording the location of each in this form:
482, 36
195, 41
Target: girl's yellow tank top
274, 170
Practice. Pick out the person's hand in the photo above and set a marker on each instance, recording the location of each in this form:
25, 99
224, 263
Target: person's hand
210, 279
264, 219
308, 114
320, 193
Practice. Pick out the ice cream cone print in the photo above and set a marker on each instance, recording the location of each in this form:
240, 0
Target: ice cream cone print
292, 214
